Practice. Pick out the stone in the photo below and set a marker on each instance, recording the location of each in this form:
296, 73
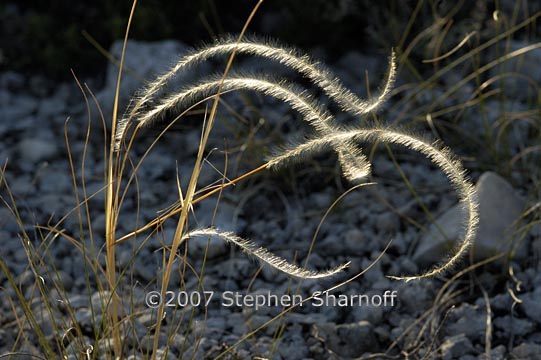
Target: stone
501, 302
135, 333
499, 208
455, 346
349, 340
216, 247
293, 346
237, 323
526, 351
527, 64
86, 320
51, 107
22, 107
370, 313
8, 222
415, 297
513, 326
496, 353
165, 354
12, 81
56, 181
468, 320
64, 278
35, 150
143, 61
531, 305
388, 222
47, 320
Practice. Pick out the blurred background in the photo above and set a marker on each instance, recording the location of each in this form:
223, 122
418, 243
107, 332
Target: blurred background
50, 37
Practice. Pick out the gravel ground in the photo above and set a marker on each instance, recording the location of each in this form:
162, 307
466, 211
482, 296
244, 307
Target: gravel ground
494, 310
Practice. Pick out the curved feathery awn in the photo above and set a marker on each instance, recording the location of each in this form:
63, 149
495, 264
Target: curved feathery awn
148, 106
355, 166
440, 156
317, 73
266, 256
289, 57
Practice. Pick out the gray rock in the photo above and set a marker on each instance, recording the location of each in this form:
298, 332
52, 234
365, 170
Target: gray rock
105, 347
145, 61
191, 139
531, 305
374, 273
100, 299
526, 351
349, 340
370, 313
39, 86
408, 266
293, 346
78, 301
354, 241
26, 279
135, 332
330, 245
468, 320
161, 354
178, 341
55, 180
86, 320
64, 278
527, 64
212, 246
20, 108
501, 302
134, 357
306, 319
12, 81
513, 326
8, 222
34, 150
237, 323
47, 321
416, 296
455, 346
23, 186
499, 208
497, 353
257, 320
224, 220
51, 107
49, 203
388, 222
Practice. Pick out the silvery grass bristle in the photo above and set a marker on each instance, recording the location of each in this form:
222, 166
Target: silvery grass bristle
264, 255
149, 106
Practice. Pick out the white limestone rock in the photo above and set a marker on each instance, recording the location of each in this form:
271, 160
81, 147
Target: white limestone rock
499, 209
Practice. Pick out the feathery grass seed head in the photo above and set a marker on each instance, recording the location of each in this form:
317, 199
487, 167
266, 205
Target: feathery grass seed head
354, 164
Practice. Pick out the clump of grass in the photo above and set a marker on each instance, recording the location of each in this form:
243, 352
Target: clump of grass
150, 106
329, 134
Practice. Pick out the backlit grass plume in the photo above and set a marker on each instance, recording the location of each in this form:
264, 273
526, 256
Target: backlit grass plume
149, 105
264, 255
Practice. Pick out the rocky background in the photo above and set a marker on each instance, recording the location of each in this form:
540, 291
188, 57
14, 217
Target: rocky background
491, 121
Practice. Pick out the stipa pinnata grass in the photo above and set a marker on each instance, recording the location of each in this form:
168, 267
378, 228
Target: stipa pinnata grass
148, 106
